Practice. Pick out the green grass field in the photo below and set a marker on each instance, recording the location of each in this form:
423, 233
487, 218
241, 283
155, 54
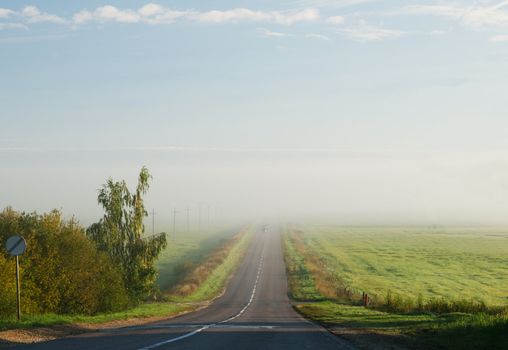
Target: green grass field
439, 264
456, 263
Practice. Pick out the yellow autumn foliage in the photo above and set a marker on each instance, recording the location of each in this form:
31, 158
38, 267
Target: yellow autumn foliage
61, 271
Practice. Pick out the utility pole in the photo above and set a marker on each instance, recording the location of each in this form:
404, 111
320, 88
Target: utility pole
199, 218
188, 219
153, 221
208, 219
174, 224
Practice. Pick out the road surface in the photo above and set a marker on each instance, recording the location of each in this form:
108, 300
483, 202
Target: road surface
253, 313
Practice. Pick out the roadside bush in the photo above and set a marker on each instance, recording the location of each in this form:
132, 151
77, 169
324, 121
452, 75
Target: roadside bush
61, 272
8, 285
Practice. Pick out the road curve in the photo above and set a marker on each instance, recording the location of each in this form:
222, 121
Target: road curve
253, 313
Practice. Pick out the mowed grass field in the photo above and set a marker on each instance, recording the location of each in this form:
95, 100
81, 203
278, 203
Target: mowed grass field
448, 287
450, 263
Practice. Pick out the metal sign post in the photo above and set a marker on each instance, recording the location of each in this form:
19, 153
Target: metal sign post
18, 293
16, 246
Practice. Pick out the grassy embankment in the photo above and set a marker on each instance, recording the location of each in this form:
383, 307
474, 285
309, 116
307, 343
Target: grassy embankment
198, 280
415, 277
214, 255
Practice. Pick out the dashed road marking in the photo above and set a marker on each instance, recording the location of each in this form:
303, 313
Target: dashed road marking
190, 334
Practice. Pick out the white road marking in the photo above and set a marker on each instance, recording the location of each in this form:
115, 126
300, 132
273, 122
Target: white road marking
234, 326
187, 335
175, 339
184, 326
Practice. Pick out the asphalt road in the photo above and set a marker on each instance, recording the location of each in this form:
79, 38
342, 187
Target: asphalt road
253, 313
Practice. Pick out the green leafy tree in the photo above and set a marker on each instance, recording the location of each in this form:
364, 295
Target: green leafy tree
120, 234
61, 271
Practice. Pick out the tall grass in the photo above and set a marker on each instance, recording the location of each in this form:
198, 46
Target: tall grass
399, 303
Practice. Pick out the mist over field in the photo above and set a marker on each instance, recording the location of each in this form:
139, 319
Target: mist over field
352, 112
235, 184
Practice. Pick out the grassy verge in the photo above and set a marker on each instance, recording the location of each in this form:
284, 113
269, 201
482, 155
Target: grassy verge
218, 266
301, 282
208, 280
142, 311
186, 251
325, 287
369, 328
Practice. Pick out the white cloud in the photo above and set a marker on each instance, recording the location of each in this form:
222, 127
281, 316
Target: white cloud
150, 13
235, 15
5, 13
164, 16
335, 20
365, 32
307, 15
498, 38
247, 15
112, 13
168, 16
433, 10
270, 34
476, 16
82, 17
34, 15
331, 3
156, 14
153, 13
151, 9
317, 36
485, 17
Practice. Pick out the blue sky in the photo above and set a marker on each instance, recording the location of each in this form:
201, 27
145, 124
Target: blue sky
223, 89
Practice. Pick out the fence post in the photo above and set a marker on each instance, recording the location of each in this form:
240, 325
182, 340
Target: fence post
366, 299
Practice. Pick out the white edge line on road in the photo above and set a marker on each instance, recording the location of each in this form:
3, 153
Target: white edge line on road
187, 335
175, 339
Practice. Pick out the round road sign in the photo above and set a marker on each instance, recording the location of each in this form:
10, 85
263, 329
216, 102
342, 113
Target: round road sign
15, 245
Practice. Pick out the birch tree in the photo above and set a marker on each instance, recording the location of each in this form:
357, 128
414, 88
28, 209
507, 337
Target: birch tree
120, 233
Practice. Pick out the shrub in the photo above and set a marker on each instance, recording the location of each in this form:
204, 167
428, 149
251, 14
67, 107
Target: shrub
61, 271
